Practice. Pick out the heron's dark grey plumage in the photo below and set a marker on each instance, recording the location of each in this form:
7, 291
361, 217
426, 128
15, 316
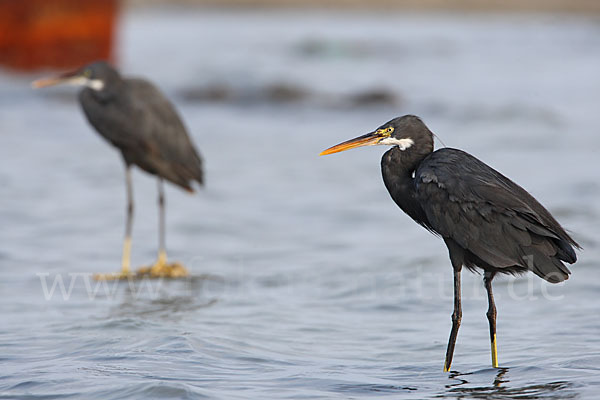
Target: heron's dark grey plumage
134, 116
498, 224
486, 220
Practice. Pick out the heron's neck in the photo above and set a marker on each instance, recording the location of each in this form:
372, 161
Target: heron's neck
397, 168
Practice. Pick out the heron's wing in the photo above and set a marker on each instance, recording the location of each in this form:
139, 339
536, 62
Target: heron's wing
162, 131
489, 215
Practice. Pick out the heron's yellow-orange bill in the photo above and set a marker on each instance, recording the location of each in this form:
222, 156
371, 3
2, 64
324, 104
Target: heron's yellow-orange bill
365, 140
45, 82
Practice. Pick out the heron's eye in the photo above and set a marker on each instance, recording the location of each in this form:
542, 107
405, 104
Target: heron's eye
390, 129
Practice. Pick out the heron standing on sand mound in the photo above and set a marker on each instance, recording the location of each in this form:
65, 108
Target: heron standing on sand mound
135, 117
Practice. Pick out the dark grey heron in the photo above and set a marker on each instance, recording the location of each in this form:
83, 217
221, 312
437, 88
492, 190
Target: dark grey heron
134, 116
487, 221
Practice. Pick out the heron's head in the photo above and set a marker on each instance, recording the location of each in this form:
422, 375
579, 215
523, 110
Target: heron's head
97, 76
408, 133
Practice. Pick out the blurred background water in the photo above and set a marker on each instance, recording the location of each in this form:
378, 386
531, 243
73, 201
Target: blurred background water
308, 282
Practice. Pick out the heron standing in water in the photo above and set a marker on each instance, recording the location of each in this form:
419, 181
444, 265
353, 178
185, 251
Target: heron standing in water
487, 221
135, 117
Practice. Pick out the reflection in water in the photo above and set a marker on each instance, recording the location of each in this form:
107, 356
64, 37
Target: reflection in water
498, 380
457, 377
154, 298
366, 389
551, 390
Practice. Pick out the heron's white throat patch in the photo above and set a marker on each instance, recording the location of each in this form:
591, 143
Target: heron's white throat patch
96, 84
403, 144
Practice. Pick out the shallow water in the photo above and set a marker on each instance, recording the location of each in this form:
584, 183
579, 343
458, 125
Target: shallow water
308, 281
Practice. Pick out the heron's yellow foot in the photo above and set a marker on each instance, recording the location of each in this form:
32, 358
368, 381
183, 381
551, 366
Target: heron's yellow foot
125, 265
494, 352
164, 269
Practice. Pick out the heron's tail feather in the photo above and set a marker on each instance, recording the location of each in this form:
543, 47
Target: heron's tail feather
549, 268
195, 169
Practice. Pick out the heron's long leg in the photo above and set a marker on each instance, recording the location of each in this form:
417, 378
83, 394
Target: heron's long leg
126, 259
491, 315
162, 248
161, 268
456, 317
